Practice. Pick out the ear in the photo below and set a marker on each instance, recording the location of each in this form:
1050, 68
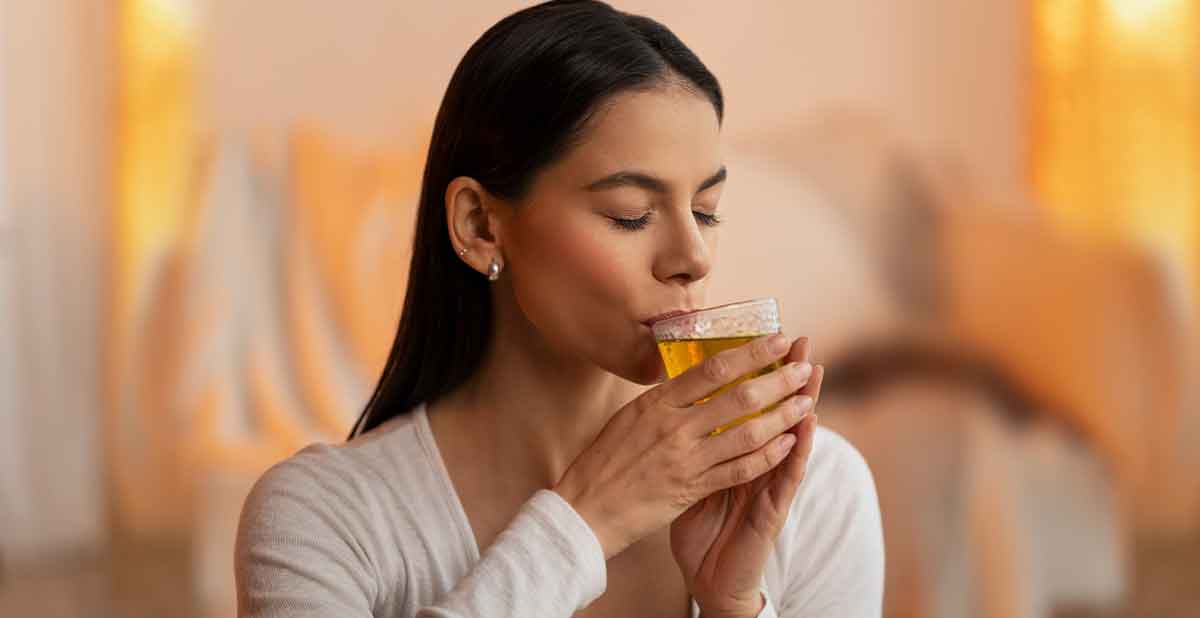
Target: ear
473, 223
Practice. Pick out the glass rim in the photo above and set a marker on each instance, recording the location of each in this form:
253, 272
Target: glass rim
758, 316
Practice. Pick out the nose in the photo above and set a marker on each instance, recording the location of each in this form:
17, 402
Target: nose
686, 256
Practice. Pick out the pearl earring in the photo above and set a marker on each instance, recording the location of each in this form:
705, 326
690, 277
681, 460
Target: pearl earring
493, 270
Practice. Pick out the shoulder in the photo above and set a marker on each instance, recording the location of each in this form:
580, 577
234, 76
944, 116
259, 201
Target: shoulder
836, 466
837, 494
836, 503
337, 471
316, 477
328, 523
829, 556
333, 487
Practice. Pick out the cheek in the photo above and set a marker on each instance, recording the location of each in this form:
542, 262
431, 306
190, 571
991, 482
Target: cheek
577, 275
577, 284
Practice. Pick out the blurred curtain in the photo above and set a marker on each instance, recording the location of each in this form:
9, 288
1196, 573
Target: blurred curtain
55, 130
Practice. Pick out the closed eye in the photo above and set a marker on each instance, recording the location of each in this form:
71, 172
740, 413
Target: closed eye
712, 220
631, 224
705, 219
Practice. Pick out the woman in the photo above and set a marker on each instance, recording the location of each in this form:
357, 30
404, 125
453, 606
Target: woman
509, 463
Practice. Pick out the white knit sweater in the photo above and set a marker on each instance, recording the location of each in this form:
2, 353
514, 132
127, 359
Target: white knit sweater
375, 528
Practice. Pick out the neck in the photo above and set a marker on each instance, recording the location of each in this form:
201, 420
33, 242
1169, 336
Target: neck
530, 408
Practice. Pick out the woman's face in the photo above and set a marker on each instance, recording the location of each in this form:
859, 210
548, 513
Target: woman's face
620, 230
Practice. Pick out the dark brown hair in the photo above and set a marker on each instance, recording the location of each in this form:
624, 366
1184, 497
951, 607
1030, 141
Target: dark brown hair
517, 102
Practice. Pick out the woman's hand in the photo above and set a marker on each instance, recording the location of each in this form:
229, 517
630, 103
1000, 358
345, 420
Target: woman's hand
722, 543
654, 459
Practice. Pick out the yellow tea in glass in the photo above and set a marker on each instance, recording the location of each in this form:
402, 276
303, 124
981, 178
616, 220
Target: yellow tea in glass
686, 340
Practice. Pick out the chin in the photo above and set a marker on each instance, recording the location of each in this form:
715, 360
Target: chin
649, 370
648, 378
642, 366
635, 359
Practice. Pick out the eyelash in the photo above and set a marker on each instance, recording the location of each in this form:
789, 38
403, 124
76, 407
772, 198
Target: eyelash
641, 222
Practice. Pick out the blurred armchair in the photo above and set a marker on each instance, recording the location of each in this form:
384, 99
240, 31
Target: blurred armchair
1104, 332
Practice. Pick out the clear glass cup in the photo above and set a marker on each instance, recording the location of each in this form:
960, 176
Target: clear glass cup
686, 340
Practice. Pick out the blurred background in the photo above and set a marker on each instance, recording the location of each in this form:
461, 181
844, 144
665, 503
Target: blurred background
985, 213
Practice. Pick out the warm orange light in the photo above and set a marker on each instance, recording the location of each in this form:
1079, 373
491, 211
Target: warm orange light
156, 140
1116, 120
1138, 14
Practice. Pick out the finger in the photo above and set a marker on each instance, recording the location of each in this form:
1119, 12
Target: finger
749, 466
791, 471
756, 432
813, 387
801, 351
750, 396
720, 369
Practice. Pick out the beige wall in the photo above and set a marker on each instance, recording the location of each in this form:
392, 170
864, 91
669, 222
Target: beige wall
947, 74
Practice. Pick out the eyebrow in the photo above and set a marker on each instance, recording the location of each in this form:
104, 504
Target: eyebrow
648, 182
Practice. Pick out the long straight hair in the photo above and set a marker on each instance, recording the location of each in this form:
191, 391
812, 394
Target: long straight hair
519, 99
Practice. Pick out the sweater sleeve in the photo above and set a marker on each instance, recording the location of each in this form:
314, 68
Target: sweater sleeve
297, 554
548, 562
305, 549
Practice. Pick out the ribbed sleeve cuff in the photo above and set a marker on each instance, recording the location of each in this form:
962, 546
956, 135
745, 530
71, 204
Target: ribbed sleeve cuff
768, 610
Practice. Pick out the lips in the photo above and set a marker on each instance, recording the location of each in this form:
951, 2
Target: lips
663, 316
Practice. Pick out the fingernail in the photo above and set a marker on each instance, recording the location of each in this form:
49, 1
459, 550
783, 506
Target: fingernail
800, 409
800, 371
778, 344
787, 442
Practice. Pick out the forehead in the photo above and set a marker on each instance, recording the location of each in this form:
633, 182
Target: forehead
670, 132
